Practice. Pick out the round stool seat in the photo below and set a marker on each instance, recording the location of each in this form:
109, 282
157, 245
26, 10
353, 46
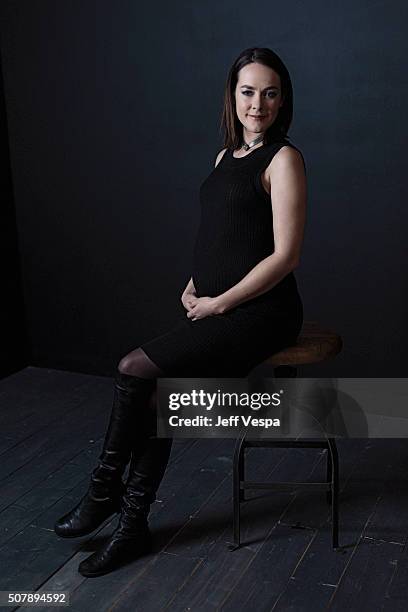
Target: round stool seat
313, 344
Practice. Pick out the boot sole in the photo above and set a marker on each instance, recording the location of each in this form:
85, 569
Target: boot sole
85, 533
145, 551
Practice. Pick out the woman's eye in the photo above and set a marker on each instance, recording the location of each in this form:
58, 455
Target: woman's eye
269, 94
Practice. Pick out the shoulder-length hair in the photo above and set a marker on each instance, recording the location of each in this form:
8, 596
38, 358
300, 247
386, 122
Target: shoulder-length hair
230, 124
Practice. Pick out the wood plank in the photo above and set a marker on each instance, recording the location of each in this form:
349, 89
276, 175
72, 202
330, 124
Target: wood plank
31, 557
390, 519
154, 588
368, 576
17, 392
358, 501
396, 596
44, 409
51, 457
89, 402
300, 595
266, 576
310, 509
46, 494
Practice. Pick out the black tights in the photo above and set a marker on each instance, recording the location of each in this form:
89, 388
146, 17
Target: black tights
137, 363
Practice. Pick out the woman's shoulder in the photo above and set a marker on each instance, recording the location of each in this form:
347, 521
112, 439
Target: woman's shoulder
286, 153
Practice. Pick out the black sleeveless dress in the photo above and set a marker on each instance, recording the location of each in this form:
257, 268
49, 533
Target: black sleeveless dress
235, 233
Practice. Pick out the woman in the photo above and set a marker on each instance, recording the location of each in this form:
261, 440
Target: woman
240, 305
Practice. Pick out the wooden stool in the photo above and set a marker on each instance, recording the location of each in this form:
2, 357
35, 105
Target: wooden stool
313, 345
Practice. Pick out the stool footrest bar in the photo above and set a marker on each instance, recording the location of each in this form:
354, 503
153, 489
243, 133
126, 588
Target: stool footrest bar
316, 486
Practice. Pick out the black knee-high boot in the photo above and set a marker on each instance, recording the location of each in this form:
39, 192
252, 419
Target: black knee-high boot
132, 537
129, 422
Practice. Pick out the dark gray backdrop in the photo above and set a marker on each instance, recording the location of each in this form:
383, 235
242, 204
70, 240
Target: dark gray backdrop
113, 111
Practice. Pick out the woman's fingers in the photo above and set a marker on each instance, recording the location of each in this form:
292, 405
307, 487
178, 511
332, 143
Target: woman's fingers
192, 314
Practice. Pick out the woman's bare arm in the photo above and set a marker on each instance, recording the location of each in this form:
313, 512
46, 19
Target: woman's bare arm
219, 157
190, 286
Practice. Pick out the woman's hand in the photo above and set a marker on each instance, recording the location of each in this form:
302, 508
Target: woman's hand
203, 307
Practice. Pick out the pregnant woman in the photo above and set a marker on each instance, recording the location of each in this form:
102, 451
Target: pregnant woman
240, 305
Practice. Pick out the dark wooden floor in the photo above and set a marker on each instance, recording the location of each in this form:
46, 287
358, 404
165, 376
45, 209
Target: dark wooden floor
52, 424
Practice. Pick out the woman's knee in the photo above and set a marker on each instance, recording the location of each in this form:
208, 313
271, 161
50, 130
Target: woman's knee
137, 363
124, 365
129, 362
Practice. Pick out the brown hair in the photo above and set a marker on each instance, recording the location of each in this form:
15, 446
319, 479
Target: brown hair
230, 124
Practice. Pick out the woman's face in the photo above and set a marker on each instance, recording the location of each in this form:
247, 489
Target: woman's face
258, 97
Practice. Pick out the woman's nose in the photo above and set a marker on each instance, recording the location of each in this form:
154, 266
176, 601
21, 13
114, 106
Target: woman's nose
256, 102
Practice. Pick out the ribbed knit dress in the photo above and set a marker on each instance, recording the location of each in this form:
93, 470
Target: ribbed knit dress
235, 233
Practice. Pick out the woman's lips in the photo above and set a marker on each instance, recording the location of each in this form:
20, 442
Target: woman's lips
258, 117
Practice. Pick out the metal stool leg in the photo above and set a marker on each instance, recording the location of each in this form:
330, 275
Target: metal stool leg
334, 491
241, 469
238, 463
329, 475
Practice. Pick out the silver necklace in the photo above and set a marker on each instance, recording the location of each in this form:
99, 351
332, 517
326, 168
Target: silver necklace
247, 146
